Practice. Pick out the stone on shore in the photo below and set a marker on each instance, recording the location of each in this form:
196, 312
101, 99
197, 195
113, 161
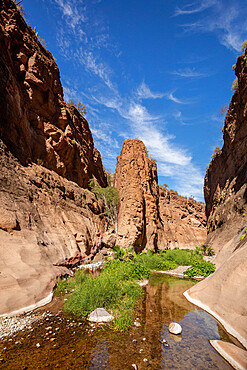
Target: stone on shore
100, 315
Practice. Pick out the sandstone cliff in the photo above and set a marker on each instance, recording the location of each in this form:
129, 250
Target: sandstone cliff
224, 294
35, 122
46, 221
149, 216
183, 220
137, 182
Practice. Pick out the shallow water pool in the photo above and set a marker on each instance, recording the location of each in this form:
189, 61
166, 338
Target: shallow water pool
65, 342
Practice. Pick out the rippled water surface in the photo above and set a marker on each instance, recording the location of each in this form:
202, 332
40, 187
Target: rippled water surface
68, 343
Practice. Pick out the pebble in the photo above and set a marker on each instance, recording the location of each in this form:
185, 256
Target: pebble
145, 359
135, 366
137, 324
37, 345
143, 339
162, 341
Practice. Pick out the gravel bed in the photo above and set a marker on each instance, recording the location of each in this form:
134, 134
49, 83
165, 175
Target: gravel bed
13, 324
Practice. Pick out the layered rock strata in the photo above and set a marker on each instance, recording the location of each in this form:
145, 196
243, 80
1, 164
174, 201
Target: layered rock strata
224, 294
137, 182
149, 216
36, 124
48, 223
183, 220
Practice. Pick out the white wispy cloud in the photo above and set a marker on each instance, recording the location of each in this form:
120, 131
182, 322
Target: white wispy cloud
70, 12
144, 92
170, 96
91, 64
226, 20
188, 73
99, 133
195, 7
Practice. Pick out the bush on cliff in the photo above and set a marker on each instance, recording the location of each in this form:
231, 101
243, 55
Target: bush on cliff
79, 106
109, 195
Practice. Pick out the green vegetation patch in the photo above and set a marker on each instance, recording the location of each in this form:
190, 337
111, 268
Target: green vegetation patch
155, 261
114, 290
200, 268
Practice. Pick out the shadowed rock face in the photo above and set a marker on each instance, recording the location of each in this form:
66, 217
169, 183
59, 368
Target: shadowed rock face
225, 185
35, 122
224, 293
149, 216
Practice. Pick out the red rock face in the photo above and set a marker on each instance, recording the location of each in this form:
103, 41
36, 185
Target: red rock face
225, 186
36, 124
224, 294
47, 222
137, 182
183, 220
150, 217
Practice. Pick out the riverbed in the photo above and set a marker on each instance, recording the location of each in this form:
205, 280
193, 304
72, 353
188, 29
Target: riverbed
58, 340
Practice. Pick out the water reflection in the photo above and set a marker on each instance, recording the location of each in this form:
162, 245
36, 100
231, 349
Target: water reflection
78, 345
100, 356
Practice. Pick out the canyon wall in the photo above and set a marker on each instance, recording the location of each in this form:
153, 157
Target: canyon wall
224, 294
35, 122
48, 222
183, 220
149, 216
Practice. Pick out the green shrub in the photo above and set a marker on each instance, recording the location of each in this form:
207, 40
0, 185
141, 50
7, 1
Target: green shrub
127, 270
182, 257
244, 46
109, 195
242, 237
155, 262
113, 289
200, 268
79, 106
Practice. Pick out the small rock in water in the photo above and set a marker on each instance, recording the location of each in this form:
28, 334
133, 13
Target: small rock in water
162, 341
175, 328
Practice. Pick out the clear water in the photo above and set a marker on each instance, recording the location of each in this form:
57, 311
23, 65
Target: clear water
78, 345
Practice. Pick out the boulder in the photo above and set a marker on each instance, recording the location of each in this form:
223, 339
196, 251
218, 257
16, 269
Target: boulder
100, 315
175, 328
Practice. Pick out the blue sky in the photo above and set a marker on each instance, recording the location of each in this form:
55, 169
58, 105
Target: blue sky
158, 70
